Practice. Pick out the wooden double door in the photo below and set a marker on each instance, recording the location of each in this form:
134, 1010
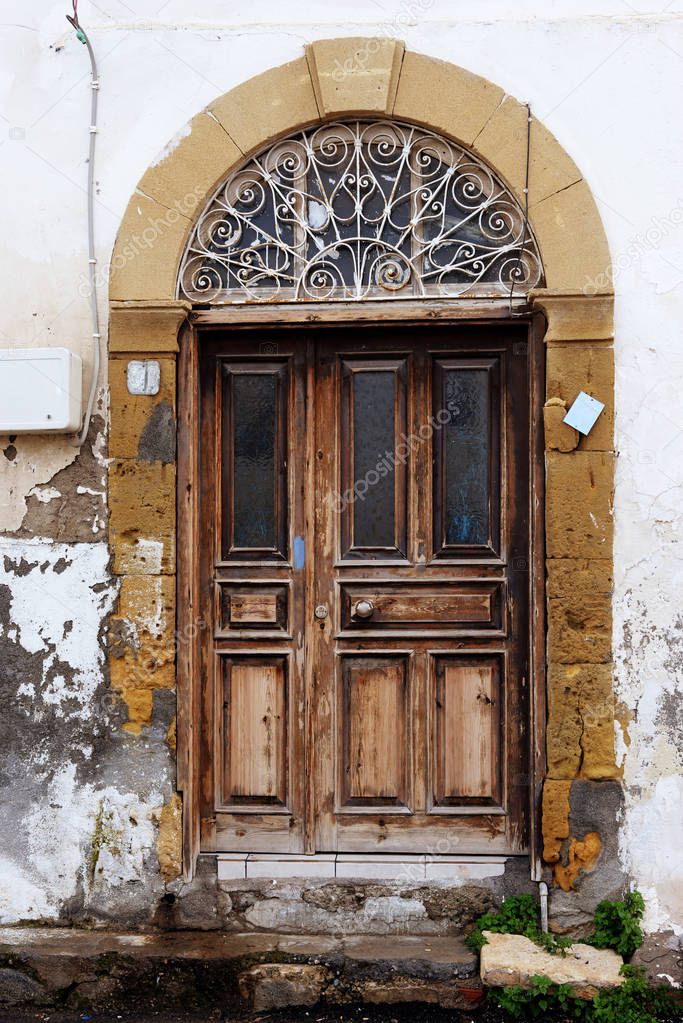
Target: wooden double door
364, 548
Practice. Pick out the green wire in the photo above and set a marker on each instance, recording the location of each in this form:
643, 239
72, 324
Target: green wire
80, 35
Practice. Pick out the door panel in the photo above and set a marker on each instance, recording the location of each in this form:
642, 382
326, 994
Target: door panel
253, 415
467, 739
402, 609
254, 459
373, 495
246, 606
254, 736
444, 766
373, 717
467, 512
365, 552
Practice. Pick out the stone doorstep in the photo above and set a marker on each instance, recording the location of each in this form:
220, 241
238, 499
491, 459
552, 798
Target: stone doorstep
195, 969
513, 960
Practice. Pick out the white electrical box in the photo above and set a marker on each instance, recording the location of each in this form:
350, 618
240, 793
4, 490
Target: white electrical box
40, 390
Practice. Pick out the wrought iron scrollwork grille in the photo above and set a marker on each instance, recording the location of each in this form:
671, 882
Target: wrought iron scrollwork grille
355, 210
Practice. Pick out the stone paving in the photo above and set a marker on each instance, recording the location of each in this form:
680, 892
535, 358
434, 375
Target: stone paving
70, 969
350, 1014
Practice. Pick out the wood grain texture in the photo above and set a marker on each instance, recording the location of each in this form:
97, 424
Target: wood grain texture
188, 712
363, 748
253, 608
318, 315
467, 740
233, 817
374, 725
438, 607
255, 732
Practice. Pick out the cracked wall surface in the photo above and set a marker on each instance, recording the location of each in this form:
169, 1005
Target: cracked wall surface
80, 798
87, 759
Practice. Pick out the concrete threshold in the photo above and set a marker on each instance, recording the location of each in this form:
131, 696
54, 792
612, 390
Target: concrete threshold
198, 970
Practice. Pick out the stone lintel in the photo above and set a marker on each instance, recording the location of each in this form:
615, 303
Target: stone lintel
575, 316
146, 326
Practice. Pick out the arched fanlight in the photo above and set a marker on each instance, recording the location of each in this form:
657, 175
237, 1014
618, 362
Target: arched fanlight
357, 210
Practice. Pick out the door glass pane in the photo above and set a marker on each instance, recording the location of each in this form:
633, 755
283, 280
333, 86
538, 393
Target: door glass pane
466, 454
254, 475
374, 441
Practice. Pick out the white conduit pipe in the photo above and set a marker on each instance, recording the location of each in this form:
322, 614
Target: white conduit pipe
79, 440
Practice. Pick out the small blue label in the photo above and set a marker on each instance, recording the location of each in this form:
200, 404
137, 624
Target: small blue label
299, 553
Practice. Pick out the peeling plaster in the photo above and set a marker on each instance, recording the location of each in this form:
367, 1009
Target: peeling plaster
36, 460
651, 842
50, 583
650, 681
42, 494
21, 896
150, 552
64, 763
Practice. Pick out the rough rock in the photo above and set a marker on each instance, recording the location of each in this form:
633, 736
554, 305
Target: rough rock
511, 959
558, 436
277, 985
402, 990
661, 956
380, 915
16, 987
594, 806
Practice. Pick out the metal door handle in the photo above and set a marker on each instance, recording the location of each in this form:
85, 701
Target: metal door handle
363, 609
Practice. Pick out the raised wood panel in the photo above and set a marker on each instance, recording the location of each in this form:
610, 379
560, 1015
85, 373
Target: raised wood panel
253, 609
251, 606
471, 834
374, 732
432, 606
255, 731
467, 732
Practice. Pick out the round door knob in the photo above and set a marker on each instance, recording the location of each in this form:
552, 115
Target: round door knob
321, 612
363, 609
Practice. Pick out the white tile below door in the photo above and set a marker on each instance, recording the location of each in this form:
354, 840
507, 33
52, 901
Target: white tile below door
387, 868
270, 865
402, 869
441, 868
232, 867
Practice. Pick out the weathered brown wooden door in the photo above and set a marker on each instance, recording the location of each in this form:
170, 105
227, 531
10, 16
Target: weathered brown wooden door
366, 564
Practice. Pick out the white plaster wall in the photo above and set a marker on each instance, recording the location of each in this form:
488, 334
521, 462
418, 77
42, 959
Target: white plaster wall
605, 76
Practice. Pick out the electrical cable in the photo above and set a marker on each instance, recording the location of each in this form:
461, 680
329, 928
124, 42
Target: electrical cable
526, 206
82, 36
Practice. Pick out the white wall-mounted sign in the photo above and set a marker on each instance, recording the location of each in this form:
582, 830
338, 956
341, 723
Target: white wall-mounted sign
584, 413
143, 376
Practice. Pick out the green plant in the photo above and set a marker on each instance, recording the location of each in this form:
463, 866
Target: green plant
517, 915
541, 1001
617, 924
633, 1002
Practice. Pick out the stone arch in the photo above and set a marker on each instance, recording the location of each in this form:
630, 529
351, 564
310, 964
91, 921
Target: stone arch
378, 77
364, 77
